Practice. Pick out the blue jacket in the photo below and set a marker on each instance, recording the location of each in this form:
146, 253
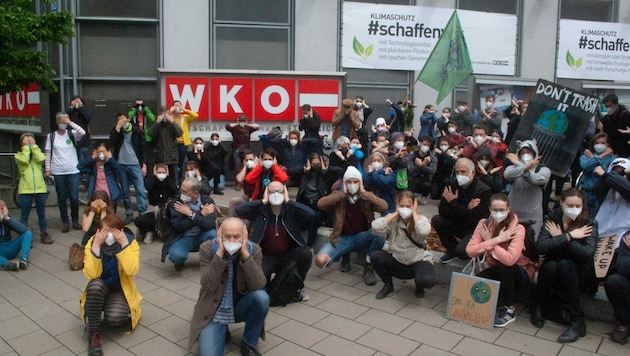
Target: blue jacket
291, 213
383, 186
6, 227
112, 171
588, 164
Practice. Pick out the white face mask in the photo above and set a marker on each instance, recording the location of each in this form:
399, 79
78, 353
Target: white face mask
461, 108
140, 108
489, 104
214, 142
293, 142
353, 146
62, 126
479, 139
276, 199
484, 162
377, 166
451, 130
232, 247
267, 163
462, 180
527, 158
250, 164
199, 146
101, 156
185, 198
241, 124
161, 176
496, 139
444, 148
399, 144
352, 188
610, 111
359, 104
426, 149
404, 213
600, 147
110, 239
306, 116
126, 126
572, 213
191, 174
498, 216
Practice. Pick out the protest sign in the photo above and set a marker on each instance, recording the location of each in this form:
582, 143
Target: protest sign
557, 117
473, 300
606, 246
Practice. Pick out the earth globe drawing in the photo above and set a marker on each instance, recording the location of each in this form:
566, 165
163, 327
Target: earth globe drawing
481, 292
549, 130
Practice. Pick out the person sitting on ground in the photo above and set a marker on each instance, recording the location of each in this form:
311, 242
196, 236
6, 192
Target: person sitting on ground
599, 154
292, 153
527, 178
446, 157
310, 122
232, 291
380, 128
276, 229
463, 204
381, 180
191, 170
380, 144
618, 291
568, 241
268, 171
404, 255
103, 172
192, 218
215, 154
160, 191
501, 240
32, 185
343, 157
354, 209
112, 259
477, 141
424, 166
456, 139
10, 248
488, 171
249, 162
196, 152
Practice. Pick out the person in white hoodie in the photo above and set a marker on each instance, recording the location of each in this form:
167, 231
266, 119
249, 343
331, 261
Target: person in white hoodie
613, 217
404, 255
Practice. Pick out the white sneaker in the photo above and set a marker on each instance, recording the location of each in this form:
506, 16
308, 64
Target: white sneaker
304, 295
423, 201
148, 238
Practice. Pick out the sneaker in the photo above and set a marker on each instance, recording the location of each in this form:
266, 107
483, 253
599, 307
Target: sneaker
217, 192
345, 263
179, 267
148, 238
65, 228
304, 295
423, 201
621, 333
368, 275
95, 344
76, 225
447, 257
45, 238
13, 265
23, 263
129, 219
504, 316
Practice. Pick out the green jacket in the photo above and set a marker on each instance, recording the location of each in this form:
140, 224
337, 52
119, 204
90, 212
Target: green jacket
30, 162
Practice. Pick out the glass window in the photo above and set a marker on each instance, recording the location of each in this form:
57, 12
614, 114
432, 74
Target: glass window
128, 8
117, 49
390, 2
499, 6
372, 76
261, 11
587, 10
252, 48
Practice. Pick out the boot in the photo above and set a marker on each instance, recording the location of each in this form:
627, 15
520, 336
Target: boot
537, 318
368, 275
387, 289
95, 344
345, 263
576, 329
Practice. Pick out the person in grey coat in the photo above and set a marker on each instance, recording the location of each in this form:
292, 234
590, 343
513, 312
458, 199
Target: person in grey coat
526, 194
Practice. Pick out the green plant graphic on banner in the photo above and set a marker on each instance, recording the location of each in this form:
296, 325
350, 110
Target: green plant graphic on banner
572, 62
363, 52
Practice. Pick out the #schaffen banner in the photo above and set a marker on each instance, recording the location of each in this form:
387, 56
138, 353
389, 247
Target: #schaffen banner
593, 50
402, 37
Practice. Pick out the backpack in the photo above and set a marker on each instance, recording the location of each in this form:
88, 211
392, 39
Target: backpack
531, 251
286, 286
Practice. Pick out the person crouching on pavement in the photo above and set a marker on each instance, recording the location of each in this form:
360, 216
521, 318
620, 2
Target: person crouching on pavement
9, 248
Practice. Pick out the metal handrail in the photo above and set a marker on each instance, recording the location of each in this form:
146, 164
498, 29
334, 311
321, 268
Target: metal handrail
13, 168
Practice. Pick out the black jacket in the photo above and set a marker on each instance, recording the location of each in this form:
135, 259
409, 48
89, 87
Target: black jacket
557, 248
310, 126
138, 141
457, 210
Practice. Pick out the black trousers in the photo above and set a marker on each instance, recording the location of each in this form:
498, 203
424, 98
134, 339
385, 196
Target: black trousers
386, 266
618, 293
301, 255
564, 277
447, 230
512, 278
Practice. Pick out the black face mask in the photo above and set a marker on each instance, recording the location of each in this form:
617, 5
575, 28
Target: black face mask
316, 168
344, 151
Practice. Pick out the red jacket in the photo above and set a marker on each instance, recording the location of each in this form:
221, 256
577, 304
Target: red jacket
255, 178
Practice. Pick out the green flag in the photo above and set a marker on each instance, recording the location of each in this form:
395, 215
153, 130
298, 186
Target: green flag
449, 62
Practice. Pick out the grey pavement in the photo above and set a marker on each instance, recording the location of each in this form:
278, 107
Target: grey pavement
39, 313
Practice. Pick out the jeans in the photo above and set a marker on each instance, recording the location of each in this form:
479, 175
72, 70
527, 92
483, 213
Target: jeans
67, 185
133, 175
364, 241
252, 308
301, 255
313, 225
178, 253
386, 266
10, 249
221, 185
181, 157
618, 293
26, 201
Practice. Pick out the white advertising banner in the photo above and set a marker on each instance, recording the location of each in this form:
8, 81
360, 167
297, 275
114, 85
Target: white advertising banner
593, 50
402, 37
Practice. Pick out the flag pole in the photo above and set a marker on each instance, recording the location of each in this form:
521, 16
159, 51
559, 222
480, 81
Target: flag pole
410, 90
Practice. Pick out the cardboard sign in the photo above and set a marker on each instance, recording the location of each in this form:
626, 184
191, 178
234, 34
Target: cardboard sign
604, 254
557, 117
473, 300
